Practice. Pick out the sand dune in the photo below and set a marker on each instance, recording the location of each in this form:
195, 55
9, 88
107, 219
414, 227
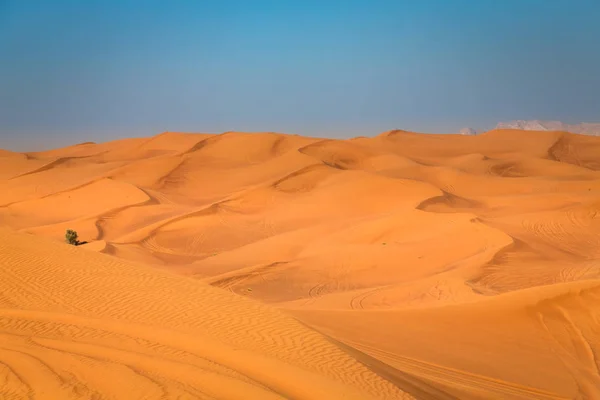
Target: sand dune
78, 324
432, 266
536, 344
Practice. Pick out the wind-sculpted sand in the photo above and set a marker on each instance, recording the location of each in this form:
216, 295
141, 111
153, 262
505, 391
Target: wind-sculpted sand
78, 324
263, 265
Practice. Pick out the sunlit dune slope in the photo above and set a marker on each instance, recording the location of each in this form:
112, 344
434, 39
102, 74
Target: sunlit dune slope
78, 324
539, 343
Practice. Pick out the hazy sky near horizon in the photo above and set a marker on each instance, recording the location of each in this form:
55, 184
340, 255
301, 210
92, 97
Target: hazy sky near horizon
74, 71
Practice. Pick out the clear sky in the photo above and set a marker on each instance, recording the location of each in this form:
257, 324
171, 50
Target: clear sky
74, 71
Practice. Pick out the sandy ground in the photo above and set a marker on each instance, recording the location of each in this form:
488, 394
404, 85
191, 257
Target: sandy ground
263, 265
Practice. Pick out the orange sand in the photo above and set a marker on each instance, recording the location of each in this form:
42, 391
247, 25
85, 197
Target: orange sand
266, 266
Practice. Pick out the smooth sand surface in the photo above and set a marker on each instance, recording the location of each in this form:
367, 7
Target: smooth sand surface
264, 265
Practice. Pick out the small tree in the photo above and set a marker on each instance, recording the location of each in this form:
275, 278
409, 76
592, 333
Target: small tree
71, 237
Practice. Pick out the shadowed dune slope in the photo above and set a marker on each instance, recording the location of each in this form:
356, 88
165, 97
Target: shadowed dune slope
404, 248
77, 324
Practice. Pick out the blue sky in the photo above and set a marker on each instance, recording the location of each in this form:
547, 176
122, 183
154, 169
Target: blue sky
74, 71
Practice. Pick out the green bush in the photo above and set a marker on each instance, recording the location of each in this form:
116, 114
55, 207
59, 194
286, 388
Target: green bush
72, 237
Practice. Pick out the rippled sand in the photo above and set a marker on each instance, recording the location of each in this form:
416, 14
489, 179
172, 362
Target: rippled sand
267, 265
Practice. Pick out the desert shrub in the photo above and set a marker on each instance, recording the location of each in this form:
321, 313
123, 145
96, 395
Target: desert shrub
72, 237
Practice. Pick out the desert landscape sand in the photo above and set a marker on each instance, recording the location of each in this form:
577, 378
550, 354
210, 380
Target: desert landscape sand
265, 265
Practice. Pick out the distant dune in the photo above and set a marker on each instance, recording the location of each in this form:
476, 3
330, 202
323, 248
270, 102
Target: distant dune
279, 266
